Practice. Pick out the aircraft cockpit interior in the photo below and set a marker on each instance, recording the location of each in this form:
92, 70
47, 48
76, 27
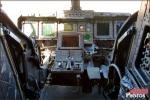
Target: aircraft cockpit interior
82, 55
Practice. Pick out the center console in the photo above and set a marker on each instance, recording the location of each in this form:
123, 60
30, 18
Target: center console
68, 65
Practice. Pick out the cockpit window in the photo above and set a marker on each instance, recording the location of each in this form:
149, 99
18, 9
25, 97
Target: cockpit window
30, 29
49, 29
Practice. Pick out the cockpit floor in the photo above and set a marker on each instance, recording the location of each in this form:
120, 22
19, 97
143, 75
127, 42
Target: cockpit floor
69, 93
